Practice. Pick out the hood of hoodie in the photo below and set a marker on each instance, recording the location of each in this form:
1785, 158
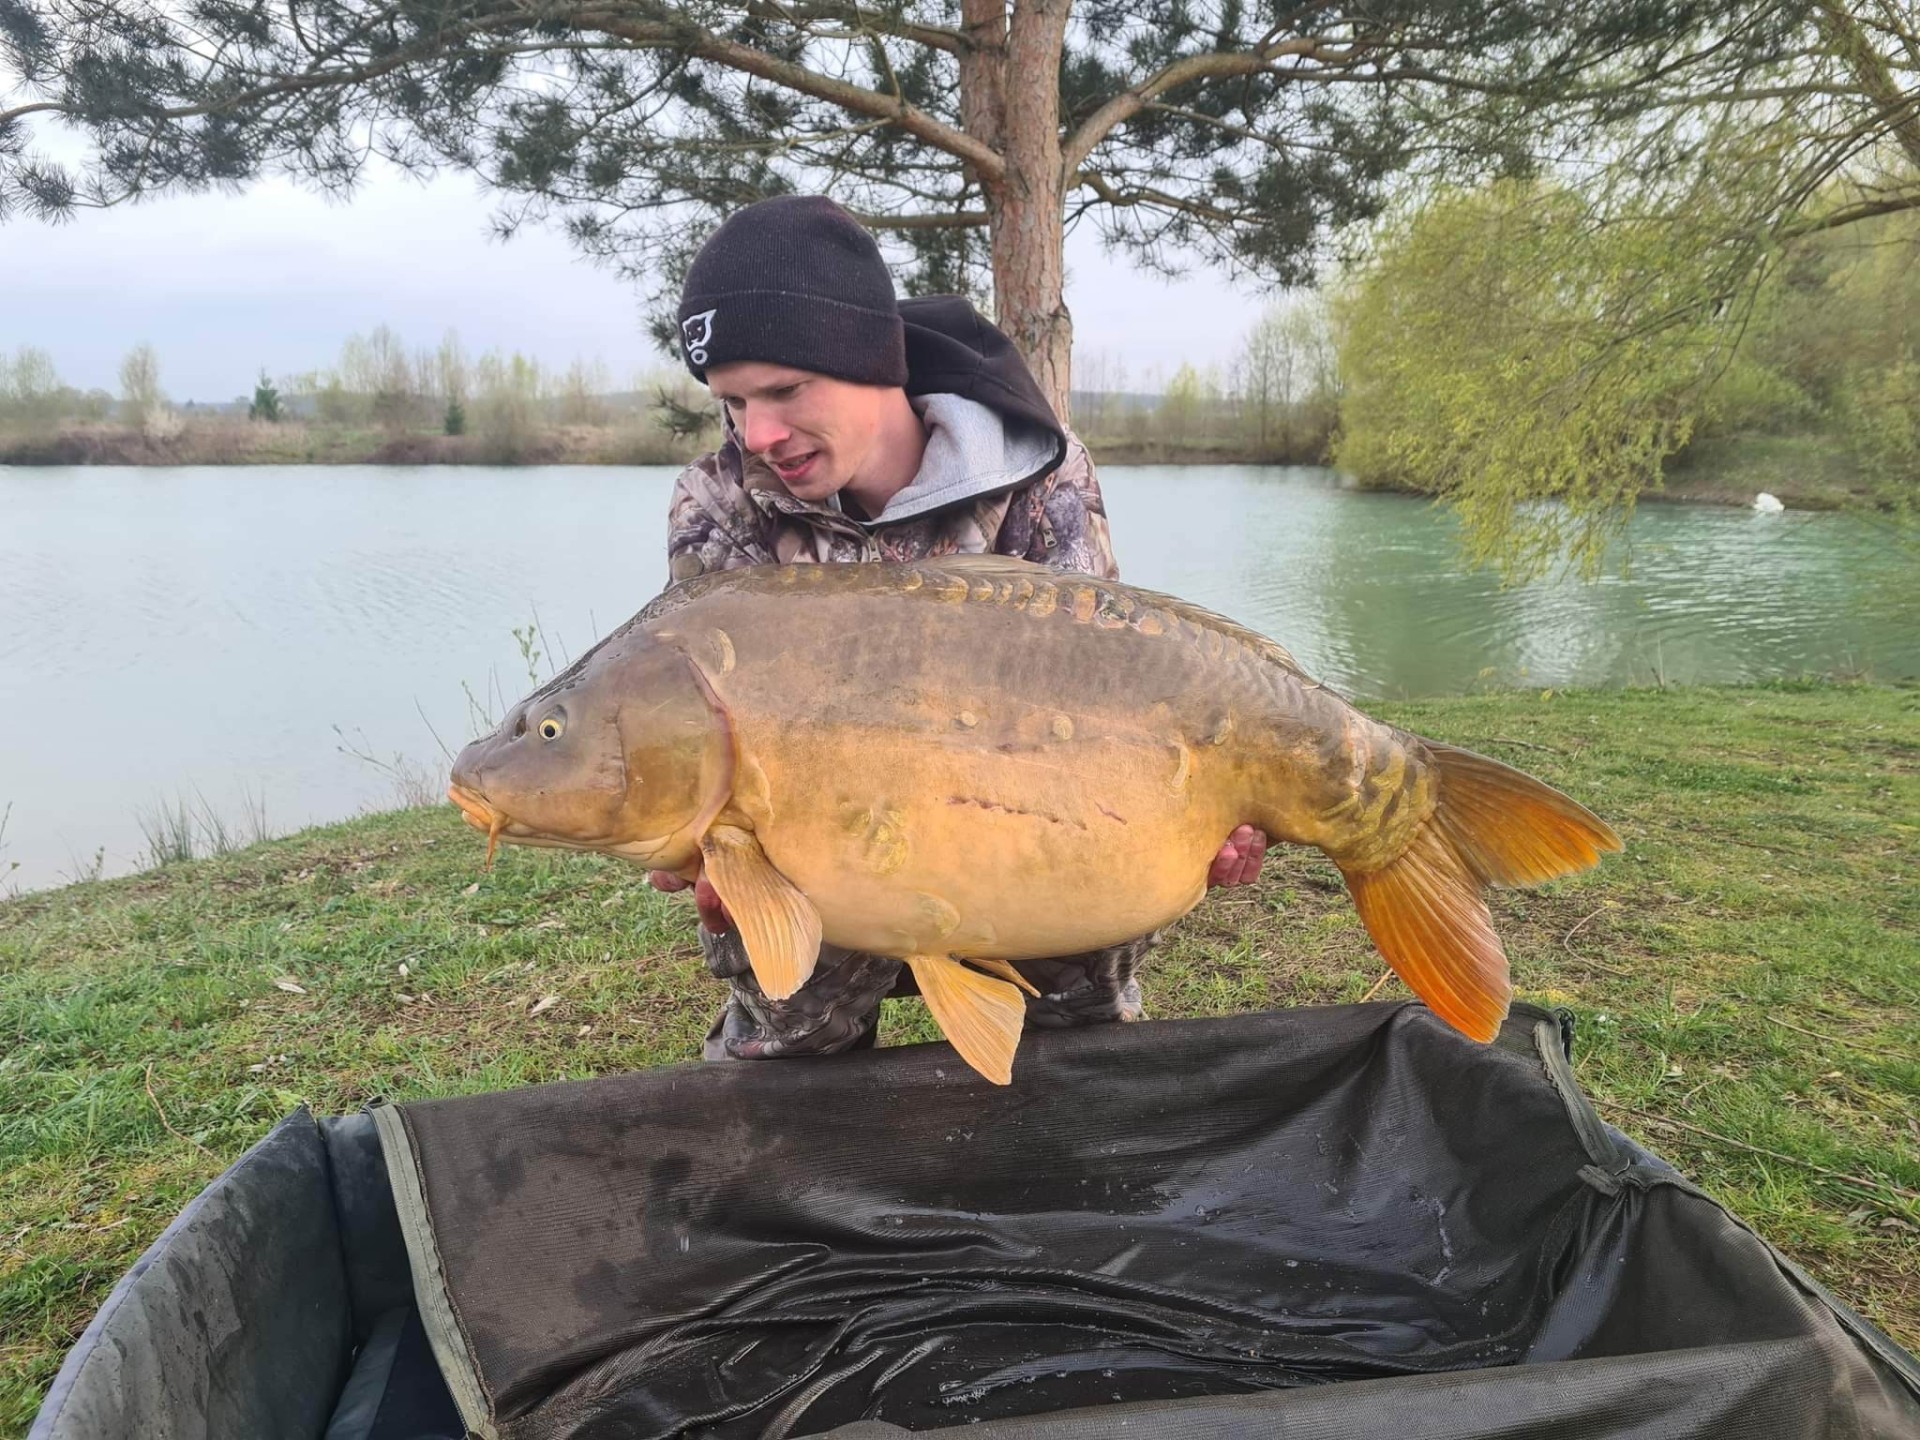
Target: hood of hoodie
952, 349
988, 426
971, 451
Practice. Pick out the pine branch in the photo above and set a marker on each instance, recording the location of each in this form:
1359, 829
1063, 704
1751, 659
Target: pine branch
1159, 199
683, 34
1212, 66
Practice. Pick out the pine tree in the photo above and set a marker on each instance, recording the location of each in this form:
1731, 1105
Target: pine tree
266, 401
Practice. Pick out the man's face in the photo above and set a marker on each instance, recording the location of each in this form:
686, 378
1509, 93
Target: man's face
817, 432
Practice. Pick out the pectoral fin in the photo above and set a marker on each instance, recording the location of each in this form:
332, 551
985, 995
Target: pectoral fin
778, 925
981, 1016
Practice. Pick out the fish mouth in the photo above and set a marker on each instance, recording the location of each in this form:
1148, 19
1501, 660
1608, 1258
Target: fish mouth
473, 805
481, 815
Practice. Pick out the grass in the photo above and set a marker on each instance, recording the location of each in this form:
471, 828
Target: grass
1746, 977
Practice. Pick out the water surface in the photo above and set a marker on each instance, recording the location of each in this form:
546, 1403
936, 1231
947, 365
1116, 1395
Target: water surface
200, 633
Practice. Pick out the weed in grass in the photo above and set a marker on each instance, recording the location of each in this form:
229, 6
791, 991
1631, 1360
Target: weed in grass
85, 872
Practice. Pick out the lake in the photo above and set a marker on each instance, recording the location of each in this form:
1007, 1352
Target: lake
197, 635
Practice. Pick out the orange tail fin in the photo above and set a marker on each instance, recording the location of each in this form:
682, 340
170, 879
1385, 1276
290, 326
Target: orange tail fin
1492, 826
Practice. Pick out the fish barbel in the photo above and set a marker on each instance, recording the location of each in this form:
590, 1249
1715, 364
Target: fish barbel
968, 761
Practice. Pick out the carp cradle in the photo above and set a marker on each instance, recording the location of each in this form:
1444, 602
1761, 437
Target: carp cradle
1336, 1221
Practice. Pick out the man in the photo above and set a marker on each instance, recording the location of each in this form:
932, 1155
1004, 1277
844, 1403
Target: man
862, 428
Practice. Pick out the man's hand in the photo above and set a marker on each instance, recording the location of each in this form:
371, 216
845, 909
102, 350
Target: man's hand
706, 899
1238, 862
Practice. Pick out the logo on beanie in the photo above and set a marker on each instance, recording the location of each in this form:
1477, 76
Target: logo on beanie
698, 330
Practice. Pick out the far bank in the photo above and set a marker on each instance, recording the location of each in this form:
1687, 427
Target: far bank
1804, 472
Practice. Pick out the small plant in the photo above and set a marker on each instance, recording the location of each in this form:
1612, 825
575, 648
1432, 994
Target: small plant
414, 785
266, 401
7, 867
456, 423
481, 719
253, 821
86, 874
529, 652
188, 830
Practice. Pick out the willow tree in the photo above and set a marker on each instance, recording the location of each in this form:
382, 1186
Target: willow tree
973, 132
1558, 336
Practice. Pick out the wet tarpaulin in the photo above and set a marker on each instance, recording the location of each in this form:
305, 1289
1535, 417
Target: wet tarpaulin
1327, 1221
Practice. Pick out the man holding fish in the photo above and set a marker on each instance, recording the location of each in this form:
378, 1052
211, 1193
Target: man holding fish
979, 752
859, 428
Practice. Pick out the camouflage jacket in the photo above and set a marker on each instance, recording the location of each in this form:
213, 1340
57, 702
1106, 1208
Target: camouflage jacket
729, 509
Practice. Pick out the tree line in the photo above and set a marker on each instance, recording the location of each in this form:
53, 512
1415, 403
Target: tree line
33, 396
505, 402
1471, 347
1276, 399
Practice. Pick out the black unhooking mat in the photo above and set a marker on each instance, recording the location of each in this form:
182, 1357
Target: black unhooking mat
1321, 1222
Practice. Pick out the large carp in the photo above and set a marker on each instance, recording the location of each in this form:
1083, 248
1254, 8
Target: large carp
979, 760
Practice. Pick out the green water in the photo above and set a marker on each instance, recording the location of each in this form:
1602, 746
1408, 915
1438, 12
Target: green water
1369, 593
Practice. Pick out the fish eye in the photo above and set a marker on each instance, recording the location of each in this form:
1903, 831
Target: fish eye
552, 727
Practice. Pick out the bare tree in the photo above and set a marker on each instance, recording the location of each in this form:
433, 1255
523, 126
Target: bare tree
140, 397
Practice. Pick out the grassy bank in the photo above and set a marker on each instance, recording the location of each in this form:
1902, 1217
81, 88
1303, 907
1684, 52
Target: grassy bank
1806, 472
1747, 978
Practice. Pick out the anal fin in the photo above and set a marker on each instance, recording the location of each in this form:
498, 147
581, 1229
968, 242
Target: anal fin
981, 1017
778, 925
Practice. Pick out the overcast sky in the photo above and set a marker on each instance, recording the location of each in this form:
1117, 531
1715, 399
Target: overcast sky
222, 285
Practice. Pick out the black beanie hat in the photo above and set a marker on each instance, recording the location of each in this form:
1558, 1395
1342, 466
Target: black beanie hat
794, 281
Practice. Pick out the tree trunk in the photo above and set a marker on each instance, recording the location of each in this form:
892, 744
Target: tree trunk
1026, 207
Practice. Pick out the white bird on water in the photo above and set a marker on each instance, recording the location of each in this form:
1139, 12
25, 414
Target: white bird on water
1767, 504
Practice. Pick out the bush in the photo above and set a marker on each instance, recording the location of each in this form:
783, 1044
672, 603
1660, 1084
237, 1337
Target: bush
1881, 413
